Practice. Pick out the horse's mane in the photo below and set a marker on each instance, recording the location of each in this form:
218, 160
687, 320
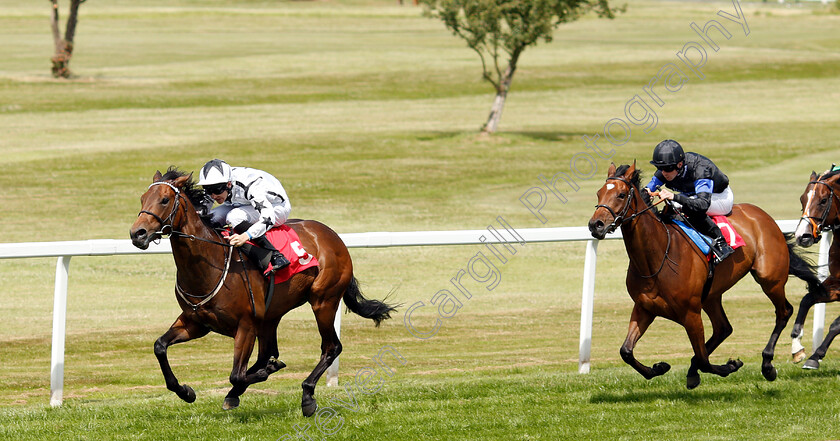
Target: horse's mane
830, 174
635, 180
195, 195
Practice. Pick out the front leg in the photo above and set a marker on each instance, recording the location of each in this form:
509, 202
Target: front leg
814, 361
184, 329
640, 319
243, 346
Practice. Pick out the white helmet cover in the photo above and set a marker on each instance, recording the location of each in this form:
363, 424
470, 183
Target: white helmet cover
214, 172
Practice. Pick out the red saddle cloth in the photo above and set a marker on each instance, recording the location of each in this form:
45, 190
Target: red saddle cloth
729, 233
286, 241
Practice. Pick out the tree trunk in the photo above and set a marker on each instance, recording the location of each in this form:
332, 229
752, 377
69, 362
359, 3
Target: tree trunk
495, 116
63, 46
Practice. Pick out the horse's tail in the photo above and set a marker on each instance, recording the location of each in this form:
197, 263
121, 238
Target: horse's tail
804, 269
375, 310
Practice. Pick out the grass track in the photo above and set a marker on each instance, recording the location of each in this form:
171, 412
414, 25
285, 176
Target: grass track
368, 112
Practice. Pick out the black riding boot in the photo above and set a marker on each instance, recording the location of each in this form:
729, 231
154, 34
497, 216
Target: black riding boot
278, 260
720, 247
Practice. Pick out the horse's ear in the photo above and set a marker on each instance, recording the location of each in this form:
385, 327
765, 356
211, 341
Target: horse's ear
611, 171
631, 170
157, 176
813, 175
182, 180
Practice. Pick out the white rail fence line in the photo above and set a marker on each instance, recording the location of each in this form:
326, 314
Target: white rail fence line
109, 247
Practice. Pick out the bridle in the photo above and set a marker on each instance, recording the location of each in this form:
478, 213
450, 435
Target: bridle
173, 232
171, 217
819, 223
620, 218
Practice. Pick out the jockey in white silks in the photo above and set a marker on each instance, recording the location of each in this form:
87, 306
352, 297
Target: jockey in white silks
251, 201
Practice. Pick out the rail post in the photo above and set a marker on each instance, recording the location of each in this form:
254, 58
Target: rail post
587, 305
62, 272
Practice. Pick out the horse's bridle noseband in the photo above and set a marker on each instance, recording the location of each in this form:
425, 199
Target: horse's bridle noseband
819, 224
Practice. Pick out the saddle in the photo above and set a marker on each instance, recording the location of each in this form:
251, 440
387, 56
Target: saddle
287, 241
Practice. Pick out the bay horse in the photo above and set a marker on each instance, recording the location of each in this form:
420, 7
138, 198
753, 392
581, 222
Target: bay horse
218, 295
667, 274
820, 212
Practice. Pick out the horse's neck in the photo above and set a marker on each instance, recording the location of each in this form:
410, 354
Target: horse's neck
642, 236
200, 264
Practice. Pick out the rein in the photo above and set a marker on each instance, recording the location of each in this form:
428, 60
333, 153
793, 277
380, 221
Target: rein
620, 218
171, 217
173, 232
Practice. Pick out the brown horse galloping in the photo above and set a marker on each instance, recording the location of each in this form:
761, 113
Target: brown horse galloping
667, 275
216, 291
820, 212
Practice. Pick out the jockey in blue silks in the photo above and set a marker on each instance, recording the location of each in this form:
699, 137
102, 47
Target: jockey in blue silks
703, 190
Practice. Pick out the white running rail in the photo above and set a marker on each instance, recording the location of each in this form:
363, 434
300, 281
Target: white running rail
109, 247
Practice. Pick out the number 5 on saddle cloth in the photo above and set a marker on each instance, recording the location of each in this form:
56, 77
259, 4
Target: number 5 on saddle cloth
286, 240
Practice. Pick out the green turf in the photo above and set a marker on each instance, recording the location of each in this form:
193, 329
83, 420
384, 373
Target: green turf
369, 113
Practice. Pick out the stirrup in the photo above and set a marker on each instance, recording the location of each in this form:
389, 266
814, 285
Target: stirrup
721, 250
278, 262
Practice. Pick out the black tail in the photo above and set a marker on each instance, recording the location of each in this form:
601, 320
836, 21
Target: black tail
375, 310
804, 268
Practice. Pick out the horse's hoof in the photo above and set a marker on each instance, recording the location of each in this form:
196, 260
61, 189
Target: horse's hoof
308, 406
811, 364
274, 365
769, 373
692, 382
230, 403
661, 368
799, 356
187, 394
734, 364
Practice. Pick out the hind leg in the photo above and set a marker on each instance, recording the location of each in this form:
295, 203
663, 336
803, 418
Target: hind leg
775, 291
325, 308
721, 329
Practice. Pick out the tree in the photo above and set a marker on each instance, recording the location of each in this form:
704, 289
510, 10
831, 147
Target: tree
64, 46
500, 30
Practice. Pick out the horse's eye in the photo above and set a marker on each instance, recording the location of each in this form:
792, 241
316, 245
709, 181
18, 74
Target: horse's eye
622, 195
823, 201
164, 201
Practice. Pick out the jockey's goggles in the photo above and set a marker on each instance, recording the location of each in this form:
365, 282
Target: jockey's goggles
666, 168
216, 188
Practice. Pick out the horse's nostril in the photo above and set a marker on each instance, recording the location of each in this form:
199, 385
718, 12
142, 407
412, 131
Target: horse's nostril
139, 233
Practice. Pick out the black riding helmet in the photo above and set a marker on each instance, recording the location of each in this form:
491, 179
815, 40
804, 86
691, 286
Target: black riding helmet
667, 152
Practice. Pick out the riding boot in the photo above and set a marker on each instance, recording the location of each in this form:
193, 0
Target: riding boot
720, 247
278, 260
